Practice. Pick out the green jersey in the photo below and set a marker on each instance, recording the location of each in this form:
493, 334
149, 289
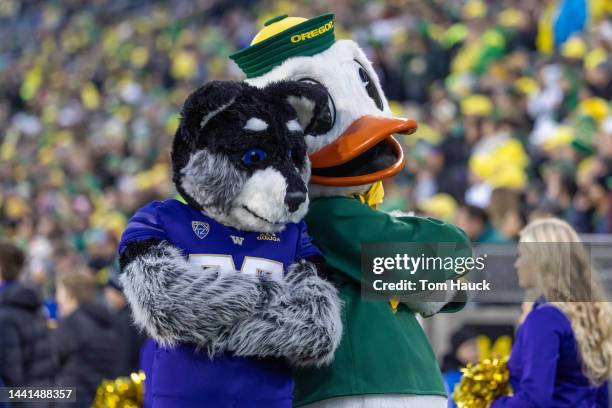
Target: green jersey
381, 351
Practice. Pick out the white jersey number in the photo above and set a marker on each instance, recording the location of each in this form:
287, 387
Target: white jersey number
250, 264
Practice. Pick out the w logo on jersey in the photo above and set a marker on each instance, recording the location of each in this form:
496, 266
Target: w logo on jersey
237, 240
200, 228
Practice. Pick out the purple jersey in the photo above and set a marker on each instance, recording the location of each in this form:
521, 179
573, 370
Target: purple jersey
183, 377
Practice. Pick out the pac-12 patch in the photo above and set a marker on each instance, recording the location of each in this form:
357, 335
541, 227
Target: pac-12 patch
200, 228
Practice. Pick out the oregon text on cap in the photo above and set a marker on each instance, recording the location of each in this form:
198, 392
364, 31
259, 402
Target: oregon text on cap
313, 33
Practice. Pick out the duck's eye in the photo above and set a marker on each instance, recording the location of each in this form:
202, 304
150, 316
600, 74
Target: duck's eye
369, 85
325, 122
253, 156
365, 78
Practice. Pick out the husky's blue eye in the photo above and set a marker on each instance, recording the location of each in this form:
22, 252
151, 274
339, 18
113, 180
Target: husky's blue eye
253, 156
290, 154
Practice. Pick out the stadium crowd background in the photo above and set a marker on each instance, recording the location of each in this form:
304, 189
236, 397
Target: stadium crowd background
512, 99
515, 119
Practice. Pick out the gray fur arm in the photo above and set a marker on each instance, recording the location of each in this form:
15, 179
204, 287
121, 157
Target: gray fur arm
175, 301
303, 324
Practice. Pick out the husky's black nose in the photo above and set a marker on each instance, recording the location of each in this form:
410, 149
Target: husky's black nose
293, 200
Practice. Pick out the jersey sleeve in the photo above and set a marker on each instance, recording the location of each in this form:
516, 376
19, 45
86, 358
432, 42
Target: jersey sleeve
143, 225
305, 247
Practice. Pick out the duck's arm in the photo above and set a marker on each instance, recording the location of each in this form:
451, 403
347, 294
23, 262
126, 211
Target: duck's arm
341, 225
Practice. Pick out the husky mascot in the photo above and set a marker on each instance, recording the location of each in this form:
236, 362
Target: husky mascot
226, 280
384, 358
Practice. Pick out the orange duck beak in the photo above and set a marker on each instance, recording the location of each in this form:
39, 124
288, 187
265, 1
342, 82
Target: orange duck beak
354, 158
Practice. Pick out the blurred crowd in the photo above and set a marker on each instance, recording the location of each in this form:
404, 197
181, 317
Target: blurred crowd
513, 100
514, 110
93, 340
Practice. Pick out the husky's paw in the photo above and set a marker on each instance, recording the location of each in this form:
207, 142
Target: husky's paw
300, 271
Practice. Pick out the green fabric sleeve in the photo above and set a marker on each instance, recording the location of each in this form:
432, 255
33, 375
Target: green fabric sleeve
341, 225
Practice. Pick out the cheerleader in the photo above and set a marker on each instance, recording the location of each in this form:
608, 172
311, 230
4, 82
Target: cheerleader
562, 356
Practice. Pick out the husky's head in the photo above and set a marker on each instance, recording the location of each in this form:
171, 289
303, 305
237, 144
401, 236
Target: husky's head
239, 153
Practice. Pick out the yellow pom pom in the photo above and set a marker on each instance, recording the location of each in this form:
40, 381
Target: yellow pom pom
122, 392
483, 383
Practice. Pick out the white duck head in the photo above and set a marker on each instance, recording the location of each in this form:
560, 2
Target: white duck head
353, 147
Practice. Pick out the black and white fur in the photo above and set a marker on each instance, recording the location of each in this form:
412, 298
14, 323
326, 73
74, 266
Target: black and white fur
346, 73
222, 121
297, 318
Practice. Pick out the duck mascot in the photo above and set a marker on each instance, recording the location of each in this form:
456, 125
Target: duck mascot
384, 358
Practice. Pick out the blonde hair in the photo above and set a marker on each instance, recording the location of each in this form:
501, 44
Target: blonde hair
567, 279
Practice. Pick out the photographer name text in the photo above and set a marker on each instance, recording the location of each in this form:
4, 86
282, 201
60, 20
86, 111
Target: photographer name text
423, 284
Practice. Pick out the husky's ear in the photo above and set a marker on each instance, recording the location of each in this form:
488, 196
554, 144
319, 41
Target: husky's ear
309, 100
199, 108
207, 101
